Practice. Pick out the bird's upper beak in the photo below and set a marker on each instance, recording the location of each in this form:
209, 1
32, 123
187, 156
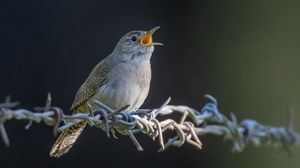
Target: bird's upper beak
147, 39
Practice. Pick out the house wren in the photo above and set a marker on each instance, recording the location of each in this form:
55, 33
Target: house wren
120, 79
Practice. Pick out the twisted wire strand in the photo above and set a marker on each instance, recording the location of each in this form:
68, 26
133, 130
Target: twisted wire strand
192, 125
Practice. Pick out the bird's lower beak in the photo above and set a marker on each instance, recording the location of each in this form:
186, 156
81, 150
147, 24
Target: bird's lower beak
147, 39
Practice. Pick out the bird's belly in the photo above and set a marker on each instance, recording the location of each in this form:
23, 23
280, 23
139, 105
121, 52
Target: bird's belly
119, 93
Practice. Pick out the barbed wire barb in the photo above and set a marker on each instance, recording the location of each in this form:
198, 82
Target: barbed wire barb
191, 126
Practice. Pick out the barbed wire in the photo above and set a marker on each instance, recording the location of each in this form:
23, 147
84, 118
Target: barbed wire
192, 125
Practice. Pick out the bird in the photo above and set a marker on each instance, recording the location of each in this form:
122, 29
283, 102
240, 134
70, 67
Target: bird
122, 79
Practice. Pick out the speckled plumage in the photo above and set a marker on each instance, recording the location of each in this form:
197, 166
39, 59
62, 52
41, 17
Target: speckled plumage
122, 78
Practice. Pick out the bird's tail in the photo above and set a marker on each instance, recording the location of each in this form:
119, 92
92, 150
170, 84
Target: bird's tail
66, 140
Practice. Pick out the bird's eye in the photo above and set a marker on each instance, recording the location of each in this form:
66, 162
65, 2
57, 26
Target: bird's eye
133, 38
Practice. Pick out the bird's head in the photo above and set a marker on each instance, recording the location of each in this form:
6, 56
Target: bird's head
137, 41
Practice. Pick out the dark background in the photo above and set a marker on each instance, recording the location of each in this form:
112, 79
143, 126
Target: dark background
246, 54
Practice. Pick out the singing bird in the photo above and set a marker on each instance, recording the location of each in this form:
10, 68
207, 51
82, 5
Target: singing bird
122, 78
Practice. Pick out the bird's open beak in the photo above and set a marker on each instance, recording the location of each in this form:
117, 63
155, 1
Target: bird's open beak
147, 39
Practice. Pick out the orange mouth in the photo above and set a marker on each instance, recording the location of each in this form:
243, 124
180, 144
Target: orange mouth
147, 39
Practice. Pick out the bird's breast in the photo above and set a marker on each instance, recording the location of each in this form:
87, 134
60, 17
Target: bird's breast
127, 84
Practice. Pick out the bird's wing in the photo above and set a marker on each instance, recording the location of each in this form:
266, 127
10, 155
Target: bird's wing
95, 80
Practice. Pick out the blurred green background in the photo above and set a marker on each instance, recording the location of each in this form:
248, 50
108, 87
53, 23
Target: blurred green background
245, 53
253, 60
